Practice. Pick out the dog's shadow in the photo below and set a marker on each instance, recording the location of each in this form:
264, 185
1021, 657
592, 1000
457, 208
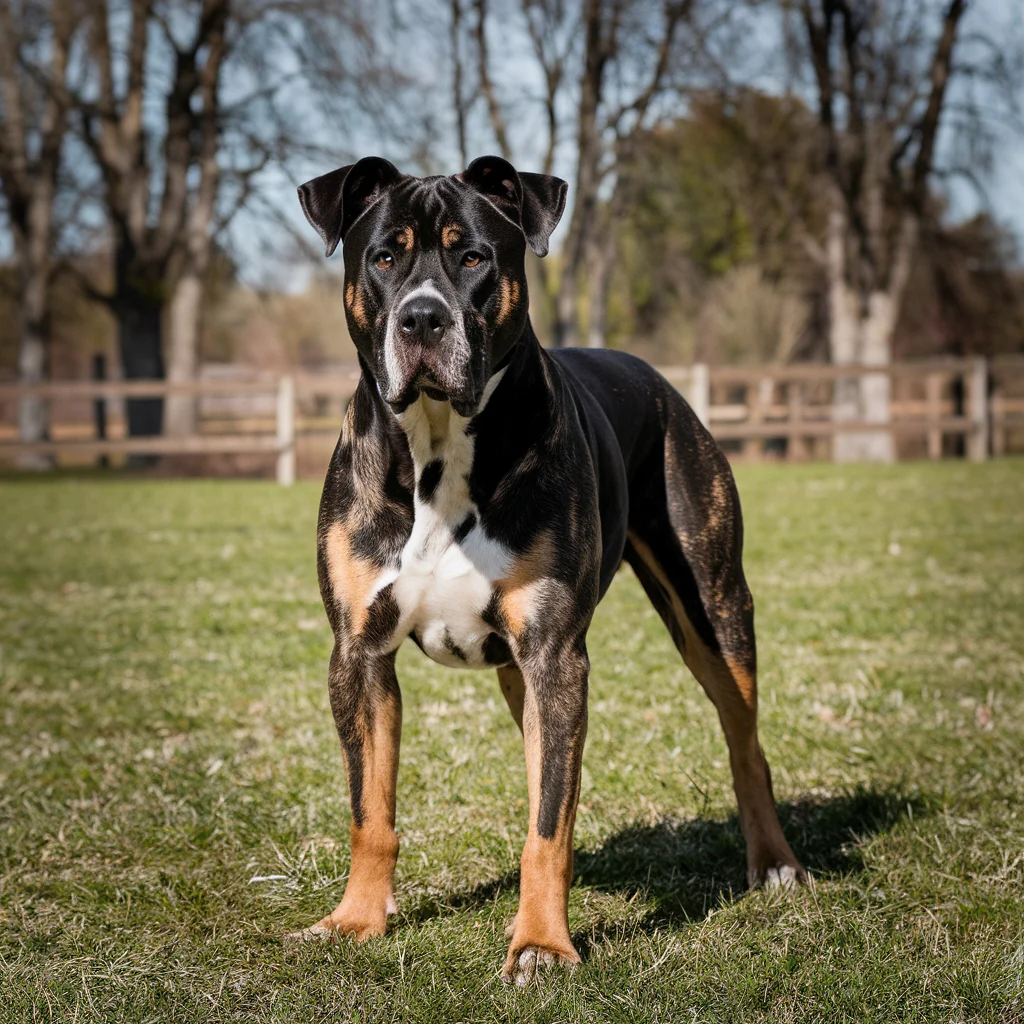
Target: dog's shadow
687, 868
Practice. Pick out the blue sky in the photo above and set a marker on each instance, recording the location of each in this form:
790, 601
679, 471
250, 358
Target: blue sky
270, 262
519, 84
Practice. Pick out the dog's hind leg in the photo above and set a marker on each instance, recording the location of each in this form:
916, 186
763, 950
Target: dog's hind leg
685, 545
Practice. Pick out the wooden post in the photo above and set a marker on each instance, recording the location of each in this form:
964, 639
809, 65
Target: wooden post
796, 450
700, 393
933, 401
977, 409
998, 423
99, 405
286, 431
762, 399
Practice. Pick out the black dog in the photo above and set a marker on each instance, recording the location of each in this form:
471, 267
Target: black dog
480, 499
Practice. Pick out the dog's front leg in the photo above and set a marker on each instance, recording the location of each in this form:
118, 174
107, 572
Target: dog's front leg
554, 730
367, 707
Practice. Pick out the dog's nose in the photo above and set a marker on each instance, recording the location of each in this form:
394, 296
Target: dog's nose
424, 318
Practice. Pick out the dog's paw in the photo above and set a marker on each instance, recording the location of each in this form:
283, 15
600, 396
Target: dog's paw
779, 876
785, 876
314, 933
529, 964
336, 926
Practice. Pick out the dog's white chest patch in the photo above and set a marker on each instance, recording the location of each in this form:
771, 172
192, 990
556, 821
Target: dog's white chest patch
449, 565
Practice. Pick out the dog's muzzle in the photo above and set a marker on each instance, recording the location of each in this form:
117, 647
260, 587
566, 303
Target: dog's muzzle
425, 350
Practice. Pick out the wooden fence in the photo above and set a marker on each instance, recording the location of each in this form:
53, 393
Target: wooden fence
971, 407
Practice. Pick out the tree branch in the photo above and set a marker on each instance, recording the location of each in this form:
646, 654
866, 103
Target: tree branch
486, 85
929, 125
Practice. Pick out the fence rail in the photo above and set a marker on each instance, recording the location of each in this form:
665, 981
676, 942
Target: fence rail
978, 405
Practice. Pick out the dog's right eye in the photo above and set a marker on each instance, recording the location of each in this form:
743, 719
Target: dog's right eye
384, 260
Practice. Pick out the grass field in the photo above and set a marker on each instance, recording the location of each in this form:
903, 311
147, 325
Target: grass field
172, 800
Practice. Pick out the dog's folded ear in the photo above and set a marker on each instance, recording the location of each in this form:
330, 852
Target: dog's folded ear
333, 202
533, 201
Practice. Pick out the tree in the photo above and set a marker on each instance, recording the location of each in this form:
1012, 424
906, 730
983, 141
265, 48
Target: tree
35, 40
965, 295
882, 72
293, 70
174, 174
609, 122
610, 69
711, 244
145, 188
196, 242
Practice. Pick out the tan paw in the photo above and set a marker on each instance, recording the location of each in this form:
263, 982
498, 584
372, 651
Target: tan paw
530, 963
334, 927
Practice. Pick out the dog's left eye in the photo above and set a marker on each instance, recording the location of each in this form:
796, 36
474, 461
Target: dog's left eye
471, 259
384, 260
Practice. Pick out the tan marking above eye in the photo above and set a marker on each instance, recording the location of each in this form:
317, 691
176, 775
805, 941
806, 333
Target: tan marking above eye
450, 234
405, 238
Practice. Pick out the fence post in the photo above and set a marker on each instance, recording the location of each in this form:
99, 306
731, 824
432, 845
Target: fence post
977, 391
286, 430
99, 405
998, 422
700, 393
796, 448
933, 406
763, 395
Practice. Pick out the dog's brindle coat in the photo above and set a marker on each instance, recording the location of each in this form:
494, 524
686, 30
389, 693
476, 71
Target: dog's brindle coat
480, 499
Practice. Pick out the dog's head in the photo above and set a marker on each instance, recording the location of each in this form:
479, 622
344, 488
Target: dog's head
435, 280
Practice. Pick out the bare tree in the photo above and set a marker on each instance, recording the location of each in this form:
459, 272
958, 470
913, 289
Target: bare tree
607, 66
35, 39
197, 241
145, 187
883, 73
458, 73
610, 123
237, 80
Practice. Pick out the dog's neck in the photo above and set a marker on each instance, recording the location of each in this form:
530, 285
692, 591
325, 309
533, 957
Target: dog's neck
440, 442
433, 427
436, 444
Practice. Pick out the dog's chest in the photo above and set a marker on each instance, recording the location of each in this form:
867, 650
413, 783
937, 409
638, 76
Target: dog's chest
449, 566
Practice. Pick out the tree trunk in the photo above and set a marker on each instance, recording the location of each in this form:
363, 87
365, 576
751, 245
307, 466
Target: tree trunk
876, 331
183, 347
187, 300
33, 420
842, 336
28, 174
602, 263
860, 332
565, 332
139, 339
588, 172
32, 411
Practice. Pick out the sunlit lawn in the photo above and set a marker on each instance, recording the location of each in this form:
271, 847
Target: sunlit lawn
172, 800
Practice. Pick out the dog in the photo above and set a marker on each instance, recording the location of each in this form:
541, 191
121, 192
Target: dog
481, 497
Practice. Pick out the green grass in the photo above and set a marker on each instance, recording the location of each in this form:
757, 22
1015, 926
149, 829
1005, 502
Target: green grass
166, 743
